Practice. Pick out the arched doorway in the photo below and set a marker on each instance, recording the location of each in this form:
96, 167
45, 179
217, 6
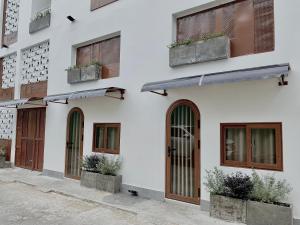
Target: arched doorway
183, 152
74, 144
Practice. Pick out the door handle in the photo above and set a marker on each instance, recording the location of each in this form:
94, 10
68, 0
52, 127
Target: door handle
170, 150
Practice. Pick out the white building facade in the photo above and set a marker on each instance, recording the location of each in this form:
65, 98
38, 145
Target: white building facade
167, 141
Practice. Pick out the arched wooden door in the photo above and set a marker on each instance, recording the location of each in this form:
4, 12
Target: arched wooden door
183, 152
74, 144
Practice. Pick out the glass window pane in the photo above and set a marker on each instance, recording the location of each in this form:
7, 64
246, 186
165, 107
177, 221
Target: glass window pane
235, 144
112, 138
263, 145
99, 137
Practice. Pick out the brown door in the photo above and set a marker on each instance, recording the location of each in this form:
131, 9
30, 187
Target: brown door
30, 138
183, 152
74, 145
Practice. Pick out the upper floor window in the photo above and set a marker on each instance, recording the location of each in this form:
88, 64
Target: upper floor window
106, 53
248, 23
10, 21
95, 4
252, 145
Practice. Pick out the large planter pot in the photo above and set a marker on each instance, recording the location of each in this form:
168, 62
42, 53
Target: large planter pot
259, 213
229, 209
201, 51
110, 184
88, 73
40, 23
2, 162
88, 179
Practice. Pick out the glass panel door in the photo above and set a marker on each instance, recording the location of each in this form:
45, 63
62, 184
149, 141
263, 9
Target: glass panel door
74, 144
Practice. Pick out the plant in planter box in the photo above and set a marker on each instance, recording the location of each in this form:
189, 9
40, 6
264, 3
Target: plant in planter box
228, 194
40, 21
90, 170
89, 72
108, 179
267, 205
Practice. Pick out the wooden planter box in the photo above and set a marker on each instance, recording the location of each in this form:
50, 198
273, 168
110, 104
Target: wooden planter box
201, 51
229, 209
259, 213
101, 182
39, 23
88, 73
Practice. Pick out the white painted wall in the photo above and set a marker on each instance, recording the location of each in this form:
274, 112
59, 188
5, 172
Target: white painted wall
146, 30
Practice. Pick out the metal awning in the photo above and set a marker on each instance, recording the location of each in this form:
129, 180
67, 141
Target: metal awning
85, 94
19, 102
258, 73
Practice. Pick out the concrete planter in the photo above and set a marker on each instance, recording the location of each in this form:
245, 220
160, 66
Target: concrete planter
259, 213
88, 179
229, 209
101, 182
40, 23
88, 73
108, 183
202, 51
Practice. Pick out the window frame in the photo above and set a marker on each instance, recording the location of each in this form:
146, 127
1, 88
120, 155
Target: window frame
105, 149
249, 164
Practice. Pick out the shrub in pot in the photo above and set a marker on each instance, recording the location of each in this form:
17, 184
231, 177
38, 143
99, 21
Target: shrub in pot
89, 170
267, 202
228, 195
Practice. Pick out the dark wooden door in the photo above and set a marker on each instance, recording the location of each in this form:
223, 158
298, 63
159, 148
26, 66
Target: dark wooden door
183, 152
74, 144
30, 138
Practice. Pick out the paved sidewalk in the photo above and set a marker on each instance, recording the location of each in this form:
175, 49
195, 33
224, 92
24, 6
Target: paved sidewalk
63, 201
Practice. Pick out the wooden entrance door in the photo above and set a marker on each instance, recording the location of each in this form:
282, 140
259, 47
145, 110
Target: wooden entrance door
183, 152
74, 145
30, 138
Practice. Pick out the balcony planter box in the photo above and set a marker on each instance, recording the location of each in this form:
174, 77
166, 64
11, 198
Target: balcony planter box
108, 183
88, 179
229, 209
101, 182
88, 73
201, 51
40, 23
259, 213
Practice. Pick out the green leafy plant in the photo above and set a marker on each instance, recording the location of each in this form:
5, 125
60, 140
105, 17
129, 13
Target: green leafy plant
269, 190
203, 37
215, 180
109, 166
2, 151
238, 185
41, 14
96, 63
90, 163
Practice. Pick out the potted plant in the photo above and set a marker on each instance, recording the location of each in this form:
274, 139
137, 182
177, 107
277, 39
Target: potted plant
208, 47
2, 157
228, 195
108, 179
101, 172
89, 170
88, 72
267, 204
40, 21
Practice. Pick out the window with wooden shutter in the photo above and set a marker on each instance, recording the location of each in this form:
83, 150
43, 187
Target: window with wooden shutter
95, 4
248, 23
106, 52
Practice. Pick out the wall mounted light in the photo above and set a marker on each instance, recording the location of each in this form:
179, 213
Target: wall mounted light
4, 46
71, 18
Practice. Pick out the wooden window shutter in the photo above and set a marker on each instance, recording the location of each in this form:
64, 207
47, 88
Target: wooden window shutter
264, 25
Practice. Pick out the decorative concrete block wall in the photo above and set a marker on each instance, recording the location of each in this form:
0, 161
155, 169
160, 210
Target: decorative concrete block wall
35, 61
12, 16
9, 71
6, 123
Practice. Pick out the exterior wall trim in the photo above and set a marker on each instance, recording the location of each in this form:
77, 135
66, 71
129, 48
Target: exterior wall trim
52, 173
144, 193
